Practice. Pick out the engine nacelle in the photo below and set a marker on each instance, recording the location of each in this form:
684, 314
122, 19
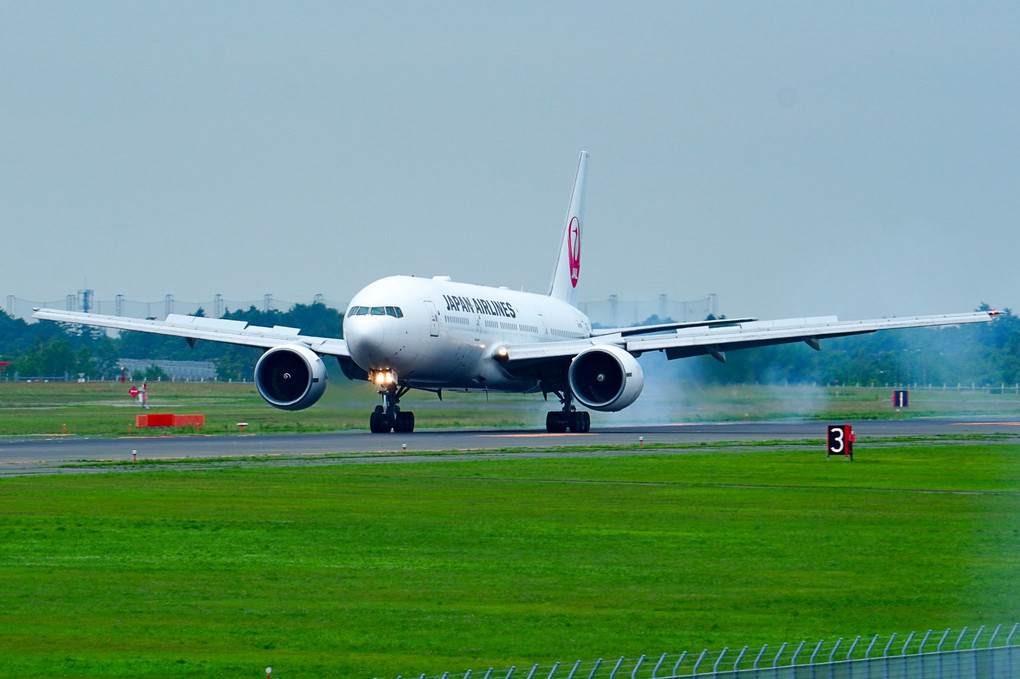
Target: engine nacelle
290, 376
606, 378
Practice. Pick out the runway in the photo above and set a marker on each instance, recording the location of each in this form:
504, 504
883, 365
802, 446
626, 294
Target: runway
47, 455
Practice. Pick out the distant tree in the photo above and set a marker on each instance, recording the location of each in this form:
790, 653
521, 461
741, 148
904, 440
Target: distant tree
54, 358
85, 364
237, 363
10, 330
256, 316
154, 374
655, 320
143, 345
105, 355
17, 336
316, 319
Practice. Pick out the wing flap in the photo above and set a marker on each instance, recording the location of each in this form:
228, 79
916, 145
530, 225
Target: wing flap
663, 327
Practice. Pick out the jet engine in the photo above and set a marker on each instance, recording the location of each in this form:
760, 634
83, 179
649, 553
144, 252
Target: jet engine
290, 377
605, 378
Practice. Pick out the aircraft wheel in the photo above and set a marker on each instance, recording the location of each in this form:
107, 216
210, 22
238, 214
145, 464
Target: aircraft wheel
378, 424
556, 422
404, 423
580, 422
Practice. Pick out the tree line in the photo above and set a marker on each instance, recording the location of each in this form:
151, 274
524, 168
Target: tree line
65, 351
983, 354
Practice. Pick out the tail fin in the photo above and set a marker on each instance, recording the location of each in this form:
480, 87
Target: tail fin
568, 261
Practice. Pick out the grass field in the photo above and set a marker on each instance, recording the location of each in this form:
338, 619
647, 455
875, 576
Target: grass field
104, 408
375, 571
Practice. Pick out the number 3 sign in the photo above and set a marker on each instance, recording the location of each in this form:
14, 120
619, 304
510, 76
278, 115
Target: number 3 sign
840, 441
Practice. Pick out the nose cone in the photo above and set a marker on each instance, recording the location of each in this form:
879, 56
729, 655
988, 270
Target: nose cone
366, 340
377, 324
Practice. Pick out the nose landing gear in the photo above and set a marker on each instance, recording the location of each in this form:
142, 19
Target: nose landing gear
389, 416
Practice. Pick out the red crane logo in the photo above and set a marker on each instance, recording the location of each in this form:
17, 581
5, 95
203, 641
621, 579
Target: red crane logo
574, 235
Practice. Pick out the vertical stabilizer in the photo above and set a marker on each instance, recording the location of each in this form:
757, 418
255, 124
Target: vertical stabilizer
568, 260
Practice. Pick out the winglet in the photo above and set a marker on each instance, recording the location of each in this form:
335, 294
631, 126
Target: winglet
568, 259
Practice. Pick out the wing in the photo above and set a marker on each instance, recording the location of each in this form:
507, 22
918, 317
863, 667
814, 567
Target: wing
195, 328
663, 327
716, 339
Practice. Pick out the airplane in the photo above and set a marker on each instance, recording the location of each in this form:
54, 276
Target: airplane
434, 334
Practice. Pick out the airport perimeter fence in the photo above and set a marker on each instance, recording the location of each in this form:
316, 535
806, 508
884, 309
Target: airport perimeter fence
615, 312
951, 654
17, 307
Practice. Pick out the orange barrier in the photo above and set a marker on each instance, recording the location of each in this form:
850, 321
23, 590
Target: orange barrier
154, 420
169, 420
189, 420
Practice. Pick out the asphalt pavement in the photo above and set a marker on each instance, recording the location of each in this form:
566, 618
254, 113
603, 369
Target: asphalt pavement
41, 455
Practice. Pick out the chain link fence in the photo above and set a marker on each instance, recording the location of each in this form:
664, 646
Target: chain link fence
615, 312
18, 307
949, 654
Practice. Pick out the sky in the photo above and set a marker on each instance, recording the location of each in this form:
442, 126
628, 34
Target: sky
795, 158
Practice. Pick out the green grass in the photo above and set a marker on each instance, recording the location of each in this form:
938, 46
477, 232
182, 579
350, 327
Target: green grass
361, 571
105, 409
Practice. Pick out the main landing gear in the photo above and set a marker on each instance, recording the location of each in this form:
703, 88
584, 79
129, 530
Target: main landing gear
570, 418
389, 416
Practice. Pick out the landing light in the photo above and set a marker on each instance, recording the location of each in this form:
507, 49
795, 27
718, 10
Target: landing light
383, 377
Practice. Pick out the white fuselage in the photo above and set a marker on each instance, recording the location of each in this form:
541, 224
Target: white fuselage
438, 334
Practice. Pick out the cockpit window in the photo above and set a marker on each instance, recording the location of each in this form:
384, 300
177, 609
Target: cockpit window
393, 311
